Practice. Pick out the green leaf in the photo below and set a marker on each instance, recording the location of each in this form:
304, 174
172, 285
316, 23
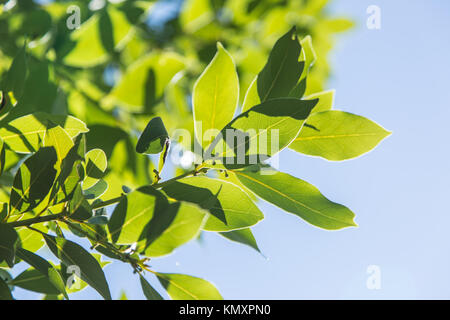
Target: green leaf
60, 140
93, 42
130, 220
15, 77
296, 196
33, 280
5, 293
25, 134
244, 236
326, 100
72, 254
96, 164
30, 239
149, 292
154, 71
97, 190
79, 207
184, 287
33, 181
308, 56
72, 171
338, 135
259, 133
45, 268
230, 207
172, 228
196, 14
2, 156
153, 138
251, 98
215, 96
9, 242
283, 68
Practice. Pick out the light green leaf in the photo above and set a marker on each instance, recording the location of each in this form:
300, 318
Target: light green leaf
172, 228
244, 236
96, 164
2, 156
33, 181
251, 97
296, 196
259, 133
5, 293
145, 81
129, 222
153, 138
326, 100
184, 287
72, 254
215, 96
25, 134
196, 14
149, 292
93, 42
45, 268
58, 138
230, 207
283, 69
338, 135
9, 242
30, 239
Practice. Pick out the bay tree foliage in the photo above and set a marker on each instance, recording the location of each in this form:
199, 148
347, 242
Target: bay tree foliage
81, 110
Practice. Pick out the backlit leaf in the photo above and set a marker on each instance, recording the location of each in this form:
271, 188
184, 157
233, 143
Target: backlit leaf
230, 207
184, 287
338, 135
170, 229
215, 96
296, 196
130, 220
259, 133
25, 134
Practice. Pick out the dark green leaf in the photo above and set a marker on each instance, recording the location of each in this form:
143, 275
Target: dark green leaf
9, 242
72, 254
45, 268
33, 181
5, 293
149, 292
15, 78
283, 69
33, 280
153, 138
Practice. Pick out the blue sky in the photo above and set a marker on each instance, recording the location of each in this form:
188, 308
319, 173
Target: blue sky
398, 76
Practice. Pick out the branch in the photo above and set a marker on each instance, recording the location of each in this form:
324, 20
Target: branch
29, 222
